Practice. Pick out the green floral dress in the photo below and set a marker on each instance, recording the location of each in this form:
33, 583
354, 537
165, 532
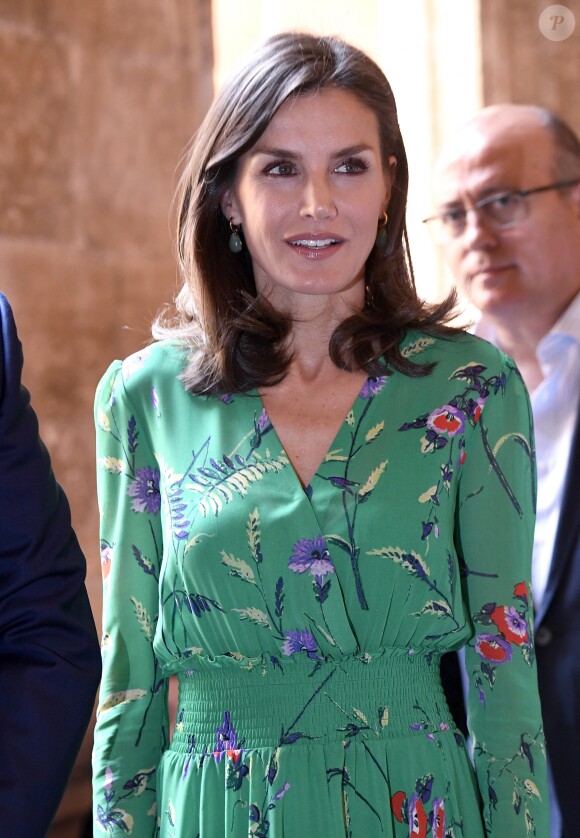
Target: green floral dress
305, 627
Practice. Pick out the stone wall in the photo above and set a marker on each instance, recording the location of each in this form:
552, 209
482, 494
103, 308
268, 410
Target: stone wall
97, 101
520, 61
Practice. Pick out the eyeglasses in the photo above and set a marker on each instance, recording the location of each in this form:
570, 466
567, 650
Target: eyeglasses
497, 211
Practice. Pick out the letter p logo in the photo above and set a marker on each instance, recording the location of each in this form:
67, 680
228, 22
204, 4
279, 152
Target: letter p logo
556, 23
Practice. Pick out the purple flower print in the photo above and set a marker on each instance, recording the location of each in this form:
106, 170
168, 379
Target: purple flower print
144, 490
226, 738
263, 421
300, 641
372, 386
512, 624
313, 555
447, 420
109, 784
427, 527
280, 794
227, 398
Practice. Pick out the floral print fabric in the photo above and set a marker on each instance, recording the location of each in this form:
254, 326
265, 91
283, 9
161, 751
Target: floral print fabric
305, 627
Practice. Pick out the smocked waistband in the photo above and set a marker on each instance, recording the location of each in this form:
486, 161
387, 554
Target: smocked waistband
391, 694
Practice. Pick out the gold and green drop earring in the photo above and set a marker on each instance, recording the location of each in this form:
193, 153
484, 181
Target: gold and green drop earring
235, 242
382, 238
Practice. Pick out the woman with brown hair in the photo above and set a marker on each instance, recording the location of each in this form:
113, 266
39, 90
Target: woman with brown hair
311, 487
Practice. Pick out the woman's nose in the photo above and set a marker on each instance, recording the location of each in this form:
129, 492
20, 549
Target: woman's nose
318, 200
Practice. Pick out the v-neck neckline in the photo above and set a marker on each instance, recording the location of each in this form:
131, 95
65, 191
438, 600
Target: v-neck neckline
305, 487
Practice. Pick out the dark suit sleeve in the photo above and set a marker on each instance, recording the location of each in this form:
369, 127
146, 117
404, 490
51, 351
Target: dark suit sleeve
49, 656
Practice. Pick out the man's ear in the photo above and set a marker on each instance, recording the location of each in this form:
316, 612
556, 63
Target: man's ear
576, 199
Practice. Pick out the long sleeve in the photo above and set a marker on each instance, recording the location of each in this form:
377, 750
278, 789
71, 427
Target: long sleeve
131, 725
49, 652
494, 534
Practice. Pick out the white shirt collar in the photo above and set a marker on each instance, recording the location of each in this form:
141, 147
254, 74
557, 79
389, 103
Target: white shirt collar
567, 326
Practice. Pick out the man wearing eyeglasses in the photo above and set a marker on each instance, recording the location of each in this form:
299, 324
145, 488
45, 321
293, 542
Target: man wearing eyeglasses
508, 217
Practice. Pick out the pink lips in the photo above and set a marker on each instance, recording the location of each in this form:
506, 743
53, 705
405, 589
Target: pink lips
315, 245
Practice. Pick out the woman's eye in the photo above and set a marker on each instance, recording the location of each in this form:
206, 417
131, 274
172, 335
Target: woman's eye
283, 169
352, 166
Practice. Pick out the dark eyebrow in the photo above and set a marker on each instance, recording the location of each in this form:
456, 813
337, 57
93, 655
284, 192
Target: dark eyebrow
489, 192
496, 190
287, 154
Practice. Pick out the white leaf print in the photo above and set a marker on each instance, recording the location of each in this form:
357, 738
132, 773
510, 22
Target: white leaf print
428, 495
103, 421
121, 697
417, 346
410, 560
374, 432
531, 788
434, 606
122, 819
112, 464
238, 567
143, 617
239, 480
372, 481
197, 539
171, 813
255, 615
335, 456
253, 530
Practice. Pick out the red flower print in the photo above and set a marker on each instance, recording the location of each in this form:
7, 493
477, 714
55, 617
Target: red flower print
447, 420
438, 824
106, 558
478, 409
399, 805
521, 591
511, 624
418, 820
493, 647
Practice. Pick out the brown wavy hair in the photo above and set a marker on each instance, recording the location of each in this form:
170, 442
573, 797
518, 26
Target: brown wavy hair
238, 341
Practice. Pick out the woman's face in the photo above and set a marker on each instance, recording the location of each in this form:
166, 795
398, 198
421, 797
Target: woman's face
309, 195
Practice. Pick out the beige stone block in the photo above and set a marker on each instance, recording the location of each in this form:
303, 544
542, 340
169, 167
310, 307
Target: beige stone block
135, 118
521, 65
76, 312
36, 189
155, 27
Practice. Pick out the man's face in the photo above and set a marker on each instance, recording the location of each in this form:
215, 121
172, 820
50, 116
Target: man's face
530, 269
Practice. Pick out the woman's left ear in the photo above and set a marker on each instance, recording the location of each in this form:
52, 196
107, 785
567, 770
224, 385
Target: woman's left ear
227, 205
389, 171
